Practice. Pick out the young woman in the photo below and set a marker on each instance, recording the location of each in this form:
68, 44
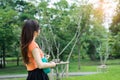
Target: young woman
31, 53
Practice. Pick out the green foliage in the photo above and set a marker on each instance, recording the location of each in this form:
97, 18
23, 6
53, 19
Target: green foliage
55, 23
7, 20
115, 46
115, 32
59, 24
12, 15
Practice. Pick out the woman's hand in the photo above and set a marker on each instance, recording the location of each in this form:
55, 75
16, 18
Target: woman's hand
53, 64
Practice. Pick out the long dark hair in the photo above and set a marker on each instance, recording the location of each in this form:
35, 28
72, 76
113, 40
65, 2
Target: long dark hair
27, 36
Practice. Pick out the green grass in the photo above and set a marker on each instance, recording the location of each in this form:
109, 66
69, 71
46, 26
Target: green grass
86, 66
113, 73
13, 70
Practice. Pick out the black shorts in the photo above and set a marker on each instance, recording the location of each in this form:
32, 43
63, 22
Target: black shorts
37, 74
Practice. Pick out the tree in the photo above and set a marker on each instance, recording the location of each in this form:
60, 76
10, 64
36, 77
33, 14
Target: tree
115, 32
55, 22
6, 33
12, 14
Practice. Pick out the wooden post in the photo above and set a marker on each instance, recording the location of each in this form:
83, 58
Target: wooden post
51, 75
67, 69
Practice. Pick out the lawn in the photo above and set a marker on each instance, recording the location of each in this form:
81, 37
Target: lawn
13, 70
86, 66
113, 73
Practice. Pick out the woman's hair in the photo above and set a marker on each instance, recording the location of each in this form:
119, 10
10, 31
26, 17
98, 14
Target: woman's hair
27, 36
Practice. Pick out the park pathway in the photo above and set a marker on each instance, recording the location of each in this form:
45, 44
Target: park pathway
4, 77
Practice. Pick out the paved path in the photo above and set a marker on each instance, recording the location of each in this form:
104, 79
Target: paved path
2, 77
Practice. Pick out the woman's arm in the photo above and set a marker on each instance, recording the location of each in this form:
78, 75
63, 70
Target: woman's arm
40, 64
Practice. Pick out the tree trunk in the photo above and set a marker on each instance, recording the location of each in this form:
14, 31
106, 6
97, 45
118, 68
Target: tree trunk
92, 57
79, 55
1, 61
4, 65
18, 60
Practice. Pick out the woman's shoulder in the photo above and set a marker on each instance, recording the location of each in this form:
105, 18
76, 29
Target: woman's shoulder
33, 45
